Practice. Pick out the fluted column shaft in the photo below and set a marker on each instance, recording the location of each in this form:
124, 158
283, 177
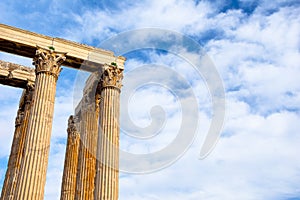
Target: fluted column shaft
107, 174
68, 185
32, 177
85, 181
17, 145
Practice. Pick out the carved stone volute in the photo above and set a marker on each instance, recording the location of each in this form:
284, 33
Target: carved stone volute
48, 61
111, 77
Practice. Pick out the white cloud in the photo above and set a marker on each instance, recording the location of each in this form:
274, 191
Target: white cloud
261, 58
171, 14
259, 159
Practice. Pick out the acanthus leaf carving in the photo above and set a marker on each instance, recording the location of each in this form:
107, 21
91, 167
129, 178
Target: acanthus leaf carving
48, 61
111, 77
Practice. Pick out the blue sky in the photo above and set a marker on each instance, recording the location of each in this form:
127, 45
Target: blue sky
254, 46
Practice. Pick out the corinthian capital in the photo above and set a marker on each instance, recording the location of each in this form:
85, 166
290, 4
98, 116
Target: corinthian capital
111, 77
48, 61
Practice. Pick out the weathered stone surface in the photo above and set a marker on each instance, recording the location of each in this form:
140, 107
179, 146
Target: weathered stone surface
15, 157
23, 43
107, 167
32, 176
48, 61
88, 112
68, 186
83, 178
111, 77
16, 75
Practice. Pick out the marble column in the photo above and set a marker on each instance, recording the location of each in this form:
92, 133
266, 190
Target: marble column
32, 176
107, 169
85, 181
68, 185
17, 144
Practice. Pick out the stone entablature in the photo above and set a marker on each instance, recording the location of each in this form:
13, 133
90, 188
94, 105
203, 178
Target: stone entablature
16, 75
23, 43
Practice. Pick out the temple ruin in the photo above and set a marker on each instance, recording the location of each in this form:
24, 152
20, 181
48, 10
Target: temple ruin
91, 164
